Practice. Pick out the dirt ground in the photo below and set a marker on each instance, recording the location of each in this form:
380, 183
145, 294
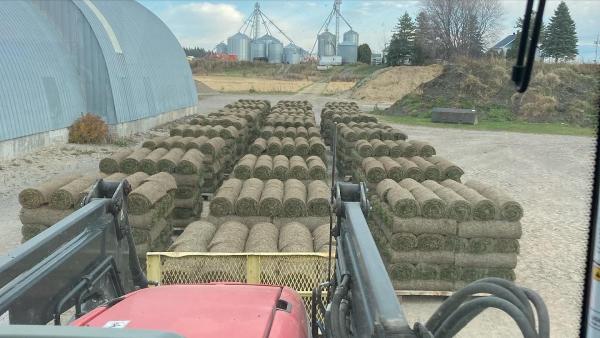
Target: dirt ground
391, 84
234, 84
550, 175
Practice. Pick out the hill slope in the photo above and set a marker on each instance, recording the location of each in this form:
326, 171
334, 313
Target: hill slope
557, 93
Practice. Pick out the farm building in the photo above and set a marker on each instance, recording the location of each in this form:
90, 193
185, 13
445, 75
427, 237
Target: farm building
61, 59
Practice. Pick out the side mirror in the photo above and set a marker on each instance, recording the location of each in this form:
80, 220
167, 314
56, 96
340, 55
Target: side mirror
521, 73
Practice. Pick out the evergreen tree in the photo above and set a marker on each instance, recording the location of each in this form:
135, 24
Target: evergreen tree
402, 46
364, 53
560, 38
424, 38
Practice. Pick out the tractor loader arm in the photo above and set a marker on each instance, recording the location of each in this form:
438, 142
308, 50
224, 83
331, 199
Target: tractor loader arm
82, 261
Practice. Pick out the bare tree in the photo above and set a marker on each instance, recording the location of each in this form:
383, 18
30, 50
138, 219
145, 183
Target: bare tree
456, 23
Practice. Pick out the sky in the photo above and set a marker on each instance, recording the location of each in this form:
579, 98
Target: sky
205, 23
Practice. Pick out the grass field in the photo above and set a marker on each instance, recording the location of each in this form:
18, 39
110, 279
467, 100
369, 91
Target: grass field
233, 84
510, 126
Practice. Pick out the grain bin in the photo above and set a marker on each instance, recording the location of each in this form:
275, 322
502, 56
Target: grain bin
326, 44
291, 54
258, 50
275, 52
348, 51
351, 36
221, 48
239, 45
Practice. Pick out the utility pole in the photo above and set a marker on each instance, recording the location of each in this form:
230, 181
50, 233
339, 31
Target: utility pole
596, 43
336, 6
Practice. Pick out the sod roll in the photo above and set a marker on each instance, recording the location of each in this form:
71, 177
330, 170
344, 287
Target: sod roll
169, 162
112, 164
150, 235
423, 149
143, 198
135, 180
290, 132
384, 186
271, 200
43, 215
266, 132
229, 237
168, 142
164, 179
374, 170
258, 147
213, 146
408, 149
196, 143
244, 168
149, 164
482, 208
420, 225
316, 168
411, 170
191, 163
379, 148
281, 166
301, 132
457, 207
39, 195
448, 169
508, 208
392, 168
402, 271
279, 132
263, 168
249, 197
364, 148
294, 198
295, 237
318, 199
28, 231
394, 149
263, 237
302, 146
153, 142
274, 146
195, 238
321, 237
131, 163
223, 203
67, 196
489, 260
403, 241
430, 205
430, 170
490, 229
298, 168
288, 146
317, 147
402, 202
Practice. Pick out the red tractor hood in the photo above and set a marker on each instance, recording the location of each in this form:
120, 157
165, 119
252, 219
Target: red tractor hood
207, 310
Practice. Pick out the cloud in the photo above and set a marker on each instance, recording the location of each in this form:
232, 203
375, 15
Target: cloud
202, 23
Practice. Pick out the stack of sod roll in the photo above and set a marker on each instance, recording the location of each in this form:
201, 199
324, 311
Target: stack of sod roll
150, 202
47, 203
271, 198
441, 236
288, 146
374, 169
280, 167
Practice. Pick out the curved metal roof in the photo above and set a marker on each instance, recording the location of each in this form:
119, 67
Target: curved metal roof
39, 88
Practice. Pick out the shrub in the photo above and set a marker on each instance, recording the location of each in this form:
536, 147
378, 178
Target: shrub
88, 129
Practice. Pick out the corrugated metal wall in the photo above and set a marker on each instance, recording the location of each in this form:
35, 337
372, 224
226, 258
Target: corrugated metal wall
59, 59
152, 65
39, 88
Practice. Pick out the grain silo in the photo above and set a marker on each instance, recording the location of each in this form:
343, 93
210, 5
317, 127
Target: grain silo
292, 54
326, 44
239, 45
258, 50
275, 52
351, 36
221, 48
348, 51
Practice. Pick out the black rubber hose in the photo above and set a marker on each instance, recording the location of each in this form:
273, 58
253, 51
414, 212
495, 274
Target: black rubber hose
461, 317
542, 313
344, 307
518, 291
457, 299
339, 293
